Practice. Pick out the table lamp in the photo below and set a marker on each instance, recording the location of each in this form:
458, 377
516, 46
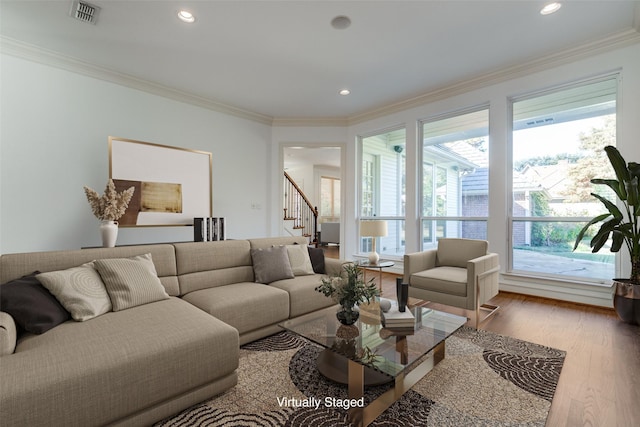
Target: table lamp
373, 228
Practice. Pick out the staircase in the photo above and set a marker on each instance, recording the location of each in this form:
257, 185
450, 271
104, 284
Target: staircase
300, 216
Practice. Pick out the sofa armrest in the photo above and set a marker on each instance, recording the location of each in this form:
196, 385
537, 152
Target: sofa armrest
418, 261
8, 335
483, 273
333, 266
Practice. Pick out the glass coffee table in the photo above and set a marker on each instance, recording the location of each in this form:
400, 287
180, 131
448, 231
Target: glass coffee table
367, 353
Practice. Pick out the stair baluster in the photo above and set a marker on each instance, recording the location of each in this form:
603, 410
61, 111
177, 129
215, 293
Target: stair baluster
298, 208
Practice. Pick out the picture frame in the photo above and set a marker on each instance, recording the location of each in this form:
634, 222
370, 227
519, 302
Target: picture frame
173, 185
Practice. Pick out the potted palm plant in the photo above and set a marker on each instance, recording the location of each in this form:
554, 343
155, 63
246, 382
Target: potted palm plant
623, 226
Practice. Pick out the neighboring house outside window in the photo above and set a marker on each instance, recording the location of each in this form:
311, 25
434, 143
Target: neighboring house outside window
455, 176
557, 148
383, 189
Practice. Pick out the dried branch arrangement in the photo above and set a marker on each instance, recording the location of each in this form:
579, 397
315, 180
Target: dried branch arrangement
111, 205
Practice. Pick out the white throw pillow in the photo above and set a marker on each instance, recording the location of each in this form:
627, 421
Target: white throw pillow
299, 260
79, 289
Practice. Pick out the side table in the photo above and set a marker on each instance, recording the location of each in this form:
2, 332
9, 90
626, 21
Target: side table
366, 265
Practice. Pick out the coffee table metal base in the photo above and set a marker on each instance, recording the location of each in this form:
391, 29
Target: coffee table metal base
365, 416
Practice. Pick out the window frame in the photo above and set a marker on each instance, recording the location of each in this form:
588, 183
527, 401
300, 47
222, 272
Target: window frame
335, 213
365, 242
434, 218
512, 219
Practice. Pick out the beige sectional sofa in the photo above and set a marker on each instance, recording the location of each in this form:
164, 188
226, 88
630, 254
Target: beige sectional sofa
143, 364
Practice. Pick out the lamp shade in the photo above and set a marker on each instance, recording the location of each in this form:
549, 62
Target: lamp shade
373, 228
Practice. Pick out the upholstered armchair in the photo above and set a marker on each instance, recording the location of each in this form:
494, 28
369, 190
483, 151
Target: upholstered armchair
460, 273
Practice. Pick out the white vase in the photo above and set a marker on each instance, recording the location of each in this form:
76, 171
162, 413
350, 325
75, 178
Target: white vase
109, 233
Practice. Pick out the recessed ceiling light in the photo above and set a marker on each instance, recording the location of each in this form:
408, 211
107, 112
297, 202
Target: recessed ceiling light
550, 8
340, 22
344, 92
186, 16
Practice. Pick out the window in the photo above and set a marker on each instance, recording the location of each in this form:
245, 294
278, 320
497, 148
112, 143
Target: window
557, 148
455, 177
383, 190
329, 199
369, 175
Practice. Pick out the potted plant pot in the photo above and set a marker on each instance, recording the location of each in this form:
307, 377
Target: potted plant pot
626, 300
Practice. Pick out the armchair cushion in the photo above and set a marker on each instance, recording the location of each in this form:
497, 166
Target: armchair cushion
448, 280
456, 252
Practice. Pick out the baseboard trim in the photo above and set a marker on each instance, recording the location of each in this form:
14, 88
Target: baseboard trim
590, 294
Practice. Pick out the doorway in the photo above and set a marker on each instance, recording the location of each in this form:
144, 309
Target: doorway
317, 171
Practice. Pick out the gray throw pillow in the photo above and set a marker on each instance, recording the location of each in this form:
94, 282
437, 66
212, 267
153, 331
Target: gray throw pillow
80, 291
131, 281
271, 264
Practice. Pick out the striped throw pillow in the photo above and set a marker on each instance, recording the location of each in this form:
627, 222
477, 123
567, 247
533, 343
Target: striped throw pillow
131, 281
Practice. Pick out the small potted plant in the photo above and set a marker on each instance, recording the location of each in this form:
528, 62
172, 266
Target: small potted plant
348, 290
623, 226
109, 208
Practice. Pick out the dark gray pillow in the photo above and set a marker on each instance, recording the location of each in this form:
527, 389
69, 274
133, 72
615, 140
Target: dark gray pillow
317, 259
32, 307
271, 264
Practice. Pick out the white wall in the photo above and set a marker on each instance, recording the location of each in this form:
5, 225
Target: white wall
53, 141
303, 177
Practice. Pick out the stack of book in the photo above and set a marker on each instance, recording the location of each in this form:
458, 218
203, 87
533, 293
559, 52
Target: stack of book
208, 229
394, 319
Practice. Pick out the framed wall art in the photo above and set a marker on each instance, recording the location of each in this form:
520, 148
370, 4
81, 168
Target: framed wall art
172, 185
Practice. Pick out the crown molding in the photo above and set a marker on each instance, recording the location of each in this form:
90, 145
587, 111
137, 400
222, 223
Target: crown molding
40, 55
310, 121
44, 56
615, 41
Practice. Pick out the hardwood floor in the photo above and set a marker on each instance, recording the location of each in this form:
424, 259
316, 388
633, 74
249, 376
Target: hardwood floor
600, 380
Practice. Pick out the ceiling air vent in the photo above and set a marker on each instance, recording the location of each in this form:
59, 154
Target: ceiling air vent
83, 11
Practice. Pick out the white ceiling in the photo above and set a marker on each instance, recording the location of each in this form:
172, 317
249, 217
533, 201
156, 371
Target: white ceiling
296, 157
282, 59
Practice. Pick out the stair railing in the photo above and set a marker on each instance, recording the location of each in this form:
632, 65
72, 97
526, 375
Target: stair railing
299, 209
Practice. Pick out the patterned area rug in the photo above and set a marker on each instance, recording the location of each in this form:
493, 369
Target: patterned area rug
486, 379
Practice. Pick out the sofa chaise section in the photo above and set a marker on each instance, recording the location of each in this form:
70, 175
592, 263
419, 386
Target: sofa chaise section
131, 367
118, 366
